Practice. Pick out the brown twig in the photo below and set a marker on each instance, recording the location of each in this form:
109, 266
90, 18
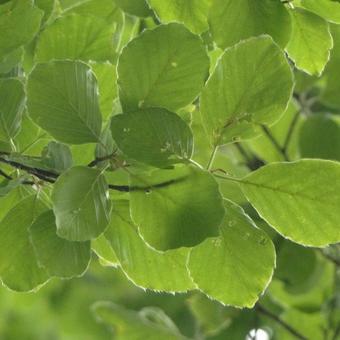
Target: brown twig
281, 149
283, 323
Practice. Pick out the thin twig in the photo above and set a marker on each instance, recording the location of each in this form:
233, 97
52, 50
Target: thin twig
283, 323
212, 158
275, 142
330, 258
290, 131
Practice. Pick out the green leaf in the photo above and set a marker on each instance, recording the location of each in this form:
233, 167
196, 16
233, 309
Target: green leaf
236, 267
328, 9
251, 85
105, 9
146, 267
74, 115
106, 75
20, 20
83, 154
105, 149
299, 199
296, 266
6, 186
32, 162
12, 99
310, 43
232, 21
192, 13
175, 76
81, 204
57, 156
153, 136
76, 37
9, 61
149, 323
309, 294
48, 6
107, 256
19, 269
319, 137
176, 208
330, 92
29, 136
14, 197
134, 7
59, 257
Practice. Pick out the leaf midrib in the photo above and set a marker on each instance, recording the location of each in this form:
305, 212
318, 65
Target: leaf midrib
286, 192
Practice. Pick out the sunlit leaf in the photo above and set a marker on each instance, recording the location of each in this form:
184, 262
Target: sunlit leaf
310, 43
76, 37
298, 199
192, 13
328, 9
103, 249
221, 267
173, 79
233, 21
251, 85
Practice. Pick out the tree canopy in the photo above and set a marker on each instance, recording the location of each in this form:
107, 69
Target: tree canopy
170, 169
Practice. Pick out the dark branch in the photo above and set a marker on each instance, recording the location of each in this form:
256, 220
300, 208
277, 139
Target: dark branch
101, 159
252, 162
10, 178
147, 188
51, 177
44, 175
3, 174
121, 188
284, 324
4, 153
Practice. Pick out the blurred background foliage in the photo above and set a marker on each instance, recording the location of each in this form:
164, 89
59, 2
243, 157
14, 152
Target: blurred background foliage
305, 293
